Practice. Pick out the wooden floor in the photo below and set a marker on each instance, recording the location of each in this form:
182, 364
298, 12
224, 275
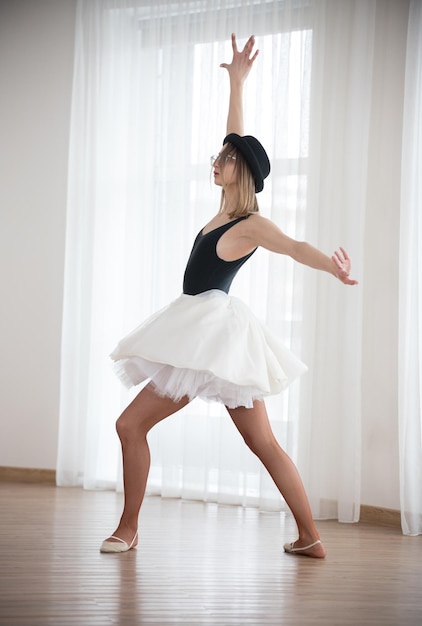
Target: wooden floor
196, 564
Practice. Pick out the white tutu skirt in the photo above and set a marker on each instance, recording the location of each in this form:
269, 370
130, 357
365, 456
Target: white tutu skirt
209, 346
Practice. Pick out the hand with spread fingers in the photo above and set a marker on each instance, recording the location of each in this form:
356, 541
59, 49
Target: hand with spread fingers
343, 264
238, 70
242, 61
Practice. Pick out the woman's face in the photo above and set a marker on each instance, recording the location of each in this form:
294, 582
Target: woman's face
225, 170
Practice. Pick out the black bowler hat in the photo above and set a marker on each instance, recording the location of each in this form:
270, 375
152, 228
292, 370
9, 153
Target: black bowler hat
254, 155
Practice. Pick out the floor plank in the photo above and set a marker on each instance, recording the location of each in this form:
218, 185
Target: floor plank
195, 564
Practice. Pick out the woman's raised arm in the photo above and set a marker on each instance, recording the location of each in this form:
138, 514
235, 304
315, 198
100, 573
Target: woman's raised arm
238, 70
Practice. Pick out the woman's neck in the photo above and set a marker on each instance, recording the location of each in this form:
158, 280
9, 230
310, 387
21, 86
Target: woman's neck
230, 200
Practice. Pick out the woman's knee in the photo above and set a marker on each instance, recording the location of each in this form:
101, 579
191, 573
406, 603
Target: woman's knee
129, 425
144, 412
260, 443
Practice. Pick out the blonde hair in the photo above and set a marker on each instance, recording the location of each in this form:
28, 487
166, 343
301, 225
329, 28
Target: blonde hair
247, 202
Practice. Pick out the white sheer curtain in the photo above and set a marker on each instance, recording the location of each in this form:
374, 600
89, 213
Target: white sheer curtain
410, 306
149, 107
330, 427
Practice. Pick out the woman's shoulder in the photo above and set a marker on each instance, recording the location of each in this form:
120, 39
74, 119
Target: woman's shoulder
261, 231
258, 223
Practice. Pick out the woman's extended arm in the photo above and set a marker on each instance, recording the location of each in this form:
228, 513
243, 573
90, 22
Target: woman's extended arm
263, 232
238, 71
339, 264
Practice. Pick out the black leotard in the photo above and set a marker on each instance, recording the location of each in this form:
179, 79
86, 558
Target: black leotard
205, 270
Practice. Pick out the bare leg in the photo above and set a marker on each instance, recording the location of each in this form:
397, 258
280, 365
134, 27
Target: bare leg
255, 428
146, 410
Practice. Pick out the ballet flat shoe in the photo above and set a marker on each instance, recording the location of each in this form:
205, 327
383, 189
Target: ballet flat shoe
117, 546
290, 549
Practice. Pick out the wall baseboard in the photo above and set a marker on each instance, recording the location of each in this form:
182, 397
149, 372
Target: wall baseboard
27, 475
380, 516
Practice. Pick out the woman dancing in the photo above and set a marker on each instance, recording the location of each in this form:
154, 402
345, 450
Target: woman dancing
208, 344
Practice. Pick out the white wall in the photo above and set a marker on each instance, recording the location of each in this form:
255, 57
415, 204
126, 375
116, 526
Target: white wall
36, 64
36, 59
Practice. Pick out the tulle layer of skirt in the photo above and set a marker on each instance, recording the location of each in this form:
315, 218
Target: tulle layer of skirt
210, 346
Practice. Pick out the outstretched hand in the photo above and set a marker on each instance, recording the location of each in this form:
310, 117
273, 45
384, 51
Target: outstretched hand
343, 265
242, 61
